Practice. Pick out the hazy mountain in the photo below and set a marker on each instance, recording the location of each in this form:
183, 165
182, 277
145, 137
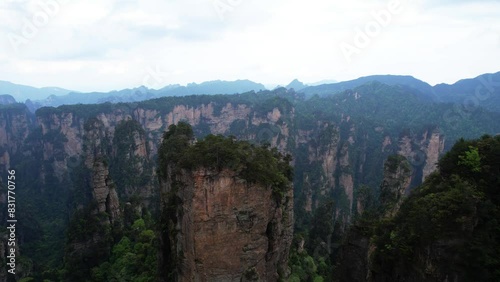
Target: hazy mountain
325, 81
407, 81
7, 100
125, 95
296, 85
23, 92
469, 94
143, 93
212, 87
483, 90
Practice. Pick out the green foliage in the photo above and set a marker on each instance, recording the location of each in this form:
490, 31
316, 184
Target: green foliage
129, 171
80, 110
471, 159
396, 161
133, 257
445, 217
305, 268
322, 225
178, 151
85, 225
175, 141
253, 163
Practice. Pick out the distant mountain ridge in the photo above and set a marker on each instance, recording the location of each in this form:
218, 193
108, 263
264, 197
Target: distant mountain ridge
296, 85
23, 92
483, 90
404, 80
7, 100
143, 93
468, 93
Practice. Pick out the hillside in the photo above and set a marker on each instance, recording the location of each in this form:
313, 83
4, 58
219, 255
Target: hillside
446, 229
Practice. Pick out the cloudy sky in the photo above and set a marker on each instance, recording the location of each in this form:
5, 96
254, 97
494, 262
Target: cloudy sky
100, 45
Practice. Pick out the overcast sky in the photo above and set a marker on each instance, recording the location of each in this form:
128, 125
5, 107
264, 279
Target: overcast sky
101, 45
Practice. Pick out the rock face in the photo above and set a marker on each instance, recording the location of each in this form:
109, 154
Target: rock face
230, 230
104, 192
15, 125
397, 178
354, 256
338, 149
355, 253
342, 158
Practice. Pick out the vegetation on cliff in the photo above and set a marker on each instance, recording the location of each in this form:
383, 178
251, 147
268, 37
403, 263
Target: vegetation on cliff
180, 154
254, 163
448, 227
311, 257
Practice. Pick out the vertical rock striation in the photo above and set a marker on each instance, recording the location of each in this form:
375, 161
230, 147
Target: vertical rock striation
230, 230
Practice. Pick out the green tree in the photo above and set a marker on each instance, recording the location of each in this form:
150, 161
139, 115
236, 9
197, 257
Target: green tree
471, 159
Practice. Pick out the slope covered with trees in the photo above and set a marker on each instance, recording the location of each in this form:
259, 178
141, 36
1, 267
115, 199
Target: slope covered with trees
446, 229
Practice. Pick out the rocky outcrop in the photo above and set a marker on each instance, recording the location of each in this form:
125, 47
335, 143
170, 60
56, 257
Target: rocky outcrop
71, 126
355, 255
337, 148
15, 125
433, 148
341, 159
422, 151
337, 155
397, 179
228, 229
104, 192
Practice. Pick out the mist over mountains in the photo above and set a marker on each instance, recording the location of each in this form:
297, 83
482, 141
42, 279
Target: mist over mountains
483, 87
52, 96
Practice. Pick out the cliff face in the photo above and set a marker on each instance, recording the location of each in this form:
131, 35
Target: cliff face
93, 223
355, 255
227, 209
73, 128
423, 151
397, 177
15, 125
338, 152
104, 193
341, 158
229, 230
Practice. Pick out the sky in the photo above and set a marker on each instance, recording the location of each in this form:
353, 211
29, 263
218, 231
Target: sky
103, 45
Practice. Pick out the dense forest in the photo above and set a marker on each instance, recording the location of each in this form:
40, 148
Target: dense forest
446, 229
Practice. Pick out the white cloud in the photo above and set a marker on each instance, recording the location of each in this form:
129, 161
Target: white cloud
110, 44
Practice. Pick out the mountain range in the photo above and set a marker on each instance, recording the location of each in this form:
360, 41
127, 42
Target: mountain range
471, 92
